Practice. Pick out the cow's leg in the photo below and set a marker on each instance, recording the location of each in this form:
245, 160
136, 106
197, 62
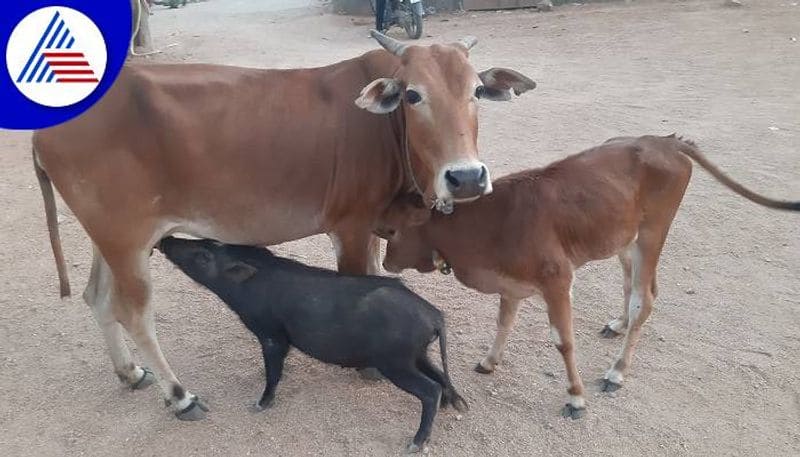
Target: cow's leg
506, 317
558, 297
644, 257
98, 296
130, 301
618, 326
357, 251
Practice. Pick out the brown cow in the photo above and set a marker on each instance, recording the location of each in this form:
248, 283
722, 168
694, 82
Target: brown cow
252, 156
539, 225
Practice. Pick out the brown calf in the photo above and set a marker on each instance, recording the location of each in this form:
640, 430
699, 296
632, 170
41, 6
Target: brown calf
540, 225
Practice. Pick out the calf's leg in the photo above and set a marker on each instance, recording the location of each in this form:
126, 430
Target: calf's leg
428, 391
645, 260
617, 327
557, 295
506, 317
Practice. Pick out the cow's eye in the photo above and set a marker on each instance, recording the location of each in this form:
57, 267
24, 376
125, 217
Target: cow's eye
413, 97
479, 91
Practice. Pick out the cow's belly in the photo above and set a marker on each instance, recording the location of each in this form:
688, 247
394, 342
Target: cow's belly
271, 224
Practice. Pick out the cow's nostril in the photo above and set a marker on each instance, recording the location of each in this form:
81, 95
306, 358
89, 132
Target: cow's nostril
483, 178
452, 180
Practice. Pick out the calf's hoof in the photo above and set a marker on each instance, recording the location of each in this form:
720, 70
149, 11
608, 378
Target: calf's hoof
194, 412
414, 448
572, 412
608, 332
370, 374
483, 370
610, 386
147, 378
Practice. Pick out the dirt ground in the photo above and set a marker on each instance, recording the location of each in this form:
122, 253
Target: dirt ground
717, 371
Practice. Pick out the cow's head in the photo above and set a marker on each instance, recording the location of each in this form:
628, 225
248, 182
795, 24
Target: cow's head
402, 225
438, 90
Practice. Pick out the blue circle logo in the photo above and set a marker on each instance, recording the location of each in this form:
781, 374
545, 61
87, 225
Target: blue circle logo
60, 58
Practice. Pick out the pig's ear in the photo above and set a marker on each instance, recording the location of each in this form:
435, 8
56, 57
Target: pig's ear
239, 272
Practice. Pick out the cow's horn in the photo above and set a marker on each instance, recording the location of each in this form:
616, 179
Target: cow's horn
390, 44
468, 42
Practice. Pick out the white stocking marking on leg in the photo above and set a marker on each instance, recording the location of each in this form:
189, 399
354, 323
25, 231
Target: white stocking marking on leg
577, 401
555, 337
614, 376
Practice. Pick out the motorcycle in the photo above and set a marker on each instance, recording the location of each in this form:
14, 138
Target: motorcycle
403, 13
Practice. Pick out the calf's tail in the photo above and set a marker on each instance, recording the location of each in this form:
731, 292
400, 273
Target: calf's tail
690, 149
52, 225
454, 398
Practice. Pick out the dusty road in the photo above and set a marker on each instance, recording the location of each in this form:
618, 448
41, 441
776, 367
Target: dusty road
717, 371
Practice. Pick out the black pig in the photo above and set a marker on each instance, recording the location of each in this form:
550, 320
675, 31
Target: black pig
352, 321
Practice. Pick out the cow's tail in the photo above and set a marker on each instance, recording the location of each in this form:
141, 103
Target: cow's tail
52, 225
450, 396
690, 149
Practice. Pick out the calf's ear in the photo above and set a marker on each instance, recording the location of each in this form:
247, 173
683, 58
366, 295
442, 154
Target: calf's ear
499, 82
380, 96
410, 210
239, 272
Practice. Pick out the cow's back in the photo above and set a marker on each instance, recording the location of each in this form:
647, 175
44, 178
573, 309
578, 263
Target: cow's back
241, 155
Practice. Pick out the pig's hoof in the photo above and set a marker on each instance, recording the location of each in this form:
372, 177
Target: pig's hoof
257, 408
610, 386
482, 370
572, 412
194, 412
370, 374
147, 378
608, 332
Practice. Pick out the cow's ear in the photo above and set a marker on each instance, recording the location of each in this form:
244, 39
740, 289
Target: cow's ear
239, 272
380, 96
499, 82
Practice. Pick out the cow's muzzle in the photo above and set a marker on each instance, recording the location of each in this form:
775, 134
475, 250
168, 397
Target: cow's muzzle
467, 182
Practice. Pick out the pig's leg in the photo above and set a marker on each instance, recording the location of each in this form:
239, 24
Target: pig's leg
426, 389
274, 350
449, 394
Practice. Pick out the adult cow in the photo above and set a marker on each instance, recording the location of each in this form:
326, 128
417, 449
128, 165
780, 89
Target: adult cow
254, 156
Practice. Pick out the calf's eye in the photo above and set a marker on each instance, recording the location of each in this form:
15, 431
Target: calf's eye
480, 91
413, 97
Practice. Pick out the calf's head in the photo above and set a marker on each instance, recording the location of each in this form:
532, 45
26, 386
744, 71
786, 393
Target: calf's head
210, 263
438, 91
403, 226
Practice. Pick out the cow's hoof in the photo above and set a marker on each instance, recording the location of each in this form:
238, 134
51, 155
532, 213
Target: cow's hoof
370, 374
144, 382
572, 412
482, 370
610, 386
194, 412
414, 448
608, 332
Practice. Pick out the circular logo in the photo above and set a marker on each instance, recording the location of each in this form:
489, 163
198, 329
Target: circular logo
60, 56
56, 56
